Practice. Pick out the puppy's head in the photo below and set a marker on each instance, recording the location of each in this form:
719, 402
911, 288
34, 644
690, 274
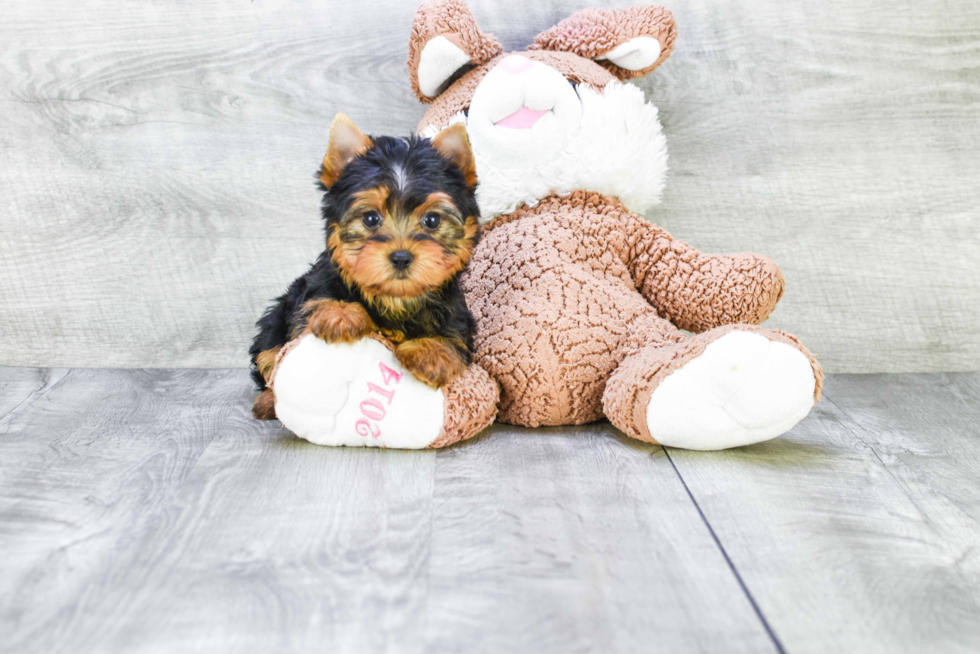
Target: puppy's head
402, 218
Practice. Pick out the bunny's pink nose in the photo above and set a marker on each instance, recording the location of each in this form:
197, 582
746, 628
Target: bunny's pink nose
514, 64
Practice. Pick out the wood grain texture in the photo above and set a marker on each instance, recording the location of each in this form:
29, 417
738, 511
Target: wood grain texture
860, 530
85, 472
576, 539
168, 520
278, 545
21, 386
145, 511
156, 164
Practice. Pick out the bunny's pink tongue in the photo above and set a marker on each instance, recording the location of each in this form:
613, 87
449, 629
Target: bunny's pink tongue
523, 118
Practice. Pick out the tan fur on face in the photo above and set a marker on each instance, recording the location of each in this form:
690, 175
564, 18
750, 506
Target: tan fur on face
430, 269
458, 238
363, 255
433, 361
372, 199
435, 201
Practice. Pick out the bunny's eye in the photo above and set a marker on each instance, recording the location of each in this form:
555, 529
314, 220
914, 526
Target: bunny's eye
431, 220
371, 219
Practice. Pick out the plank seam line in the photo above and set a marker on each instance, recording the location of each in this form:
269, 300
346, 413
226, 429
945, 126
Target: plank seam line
728, 560
857, 430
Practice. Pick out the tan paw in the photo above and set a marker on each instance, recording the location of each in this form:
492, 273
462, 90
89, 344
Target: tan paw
337, 322
266, 361
433, 361
264, 407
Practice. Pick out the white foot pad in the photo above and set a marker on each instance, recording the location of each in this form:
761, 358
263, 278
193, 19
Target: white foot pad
742, 389
356, 395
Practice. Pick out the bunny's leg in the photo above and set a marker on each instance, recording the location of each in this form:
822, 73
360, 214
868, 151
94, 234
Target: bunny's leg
729, 386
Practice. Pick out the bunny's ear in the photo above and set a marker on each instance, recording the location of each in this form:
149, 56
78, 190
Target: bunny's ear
444, 39
628, 42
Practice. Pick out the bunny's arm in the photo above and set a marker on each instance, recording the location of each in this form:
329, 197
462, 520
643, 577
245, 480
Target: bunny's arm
695, 290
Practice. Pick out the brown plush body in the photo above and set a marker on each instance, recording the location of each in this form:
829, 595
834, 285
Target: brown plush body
565, 291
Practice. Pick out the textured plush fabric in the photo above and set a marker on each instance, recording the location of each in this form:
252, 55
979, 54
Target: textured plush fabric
452, 20
566, 290
696, 290
592, 33
471, 406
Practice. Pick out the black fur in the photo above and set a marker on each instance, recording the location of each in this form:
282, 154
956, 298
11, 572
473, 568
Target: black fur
442, 312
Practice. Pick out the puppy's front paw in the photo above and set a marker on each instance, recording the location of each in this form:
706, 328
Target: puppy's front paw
337, 322
433, 361
264, 407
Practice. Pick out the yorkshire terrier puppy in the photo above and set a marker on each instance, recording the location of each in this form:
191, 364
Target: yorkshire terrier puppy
401, 222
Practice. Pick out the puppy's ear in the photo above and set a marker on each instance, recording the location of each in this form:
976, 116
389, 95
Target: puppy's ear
444, 39
628, 42
346, 142
453, 144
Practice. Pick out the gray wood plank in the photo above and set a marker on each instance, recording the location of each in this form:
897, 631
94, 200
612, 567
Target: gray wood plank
157, 164
859, 530
147, 512
277, 545
21, 386
85, 471
576, 540
121, 536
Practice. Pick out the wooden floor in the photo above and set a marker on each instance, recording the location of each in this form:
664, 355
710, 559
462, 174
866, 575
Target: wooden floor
145, 511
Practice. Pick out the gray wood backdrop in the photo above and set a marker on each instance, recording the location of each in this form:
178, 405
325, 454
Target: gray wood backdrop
156, 163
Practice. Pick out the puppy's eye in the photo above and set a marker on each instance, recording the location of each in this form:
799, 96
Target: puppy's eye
371, 219
431, 220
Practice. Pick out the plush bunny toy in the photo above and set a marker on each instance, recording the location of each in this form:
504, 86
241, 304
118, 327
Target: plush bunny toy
581, 304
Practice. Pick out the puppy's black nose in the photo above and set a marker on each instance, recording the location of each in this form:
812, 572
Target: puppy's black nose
401, 259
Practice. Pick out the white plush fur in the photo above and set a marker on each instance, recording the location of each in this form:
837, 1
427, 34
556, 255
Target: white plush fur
501, 93
742, 389
438, 61
320, 388
613, 144
636, 54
